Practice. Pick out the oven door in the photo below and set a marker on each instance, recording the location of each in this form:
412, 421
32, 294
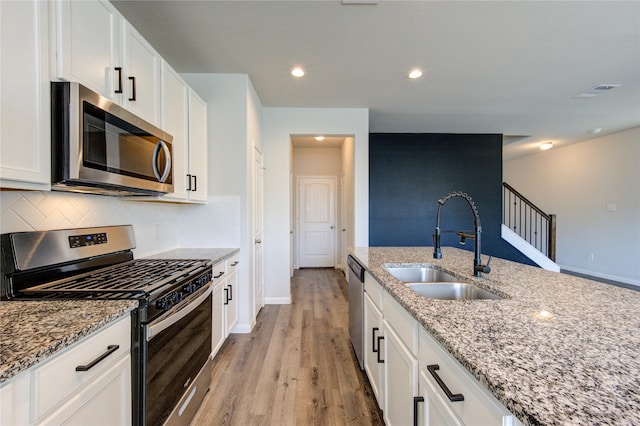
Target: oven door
178, 367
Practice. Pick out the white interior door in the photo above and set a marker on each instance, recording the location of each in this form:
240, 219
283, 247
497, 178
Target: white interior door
316, 213
342, 235
258, 220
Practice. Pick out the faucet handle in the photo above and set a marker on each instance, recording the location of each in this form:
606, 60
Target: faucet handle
485, 269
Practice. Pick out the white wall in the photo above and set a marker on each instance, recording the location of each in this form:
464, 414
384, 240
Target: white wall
578, 183
278, 125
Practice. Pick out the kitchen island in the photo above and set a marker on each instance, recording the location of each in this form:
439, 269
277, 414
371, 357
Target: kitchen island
556, 350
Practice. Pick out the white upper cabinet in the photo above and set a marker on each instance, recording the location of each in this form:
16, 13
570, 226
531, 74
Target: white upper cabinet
184, 116
24, 95
96, 47
87, 35
141, 76
175, 121
197, 148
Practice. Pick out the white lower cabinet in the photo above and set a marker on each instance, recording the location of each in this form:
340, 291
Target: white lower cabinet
474, 404
400, 379
231, 296
373, 348
429, 407
88, 383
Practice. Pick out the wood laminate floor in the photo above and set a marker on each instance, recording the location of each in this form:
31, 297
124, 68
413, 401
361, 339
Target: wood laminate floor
296, 367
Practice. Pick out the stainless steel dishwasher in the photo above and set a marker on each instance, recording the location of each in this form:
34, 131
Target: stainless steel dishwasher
356, 308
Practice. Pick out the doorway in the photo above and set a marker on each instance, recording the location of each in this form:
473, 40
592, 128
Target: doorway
320, 209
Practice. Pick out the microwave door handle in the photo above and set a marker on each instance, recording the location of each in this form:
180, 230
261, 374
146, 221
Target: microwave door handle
167, 165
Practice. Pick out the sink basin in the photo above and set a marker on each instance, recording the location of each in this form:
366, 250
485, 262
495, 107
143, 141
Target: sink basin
452, 291
420, 274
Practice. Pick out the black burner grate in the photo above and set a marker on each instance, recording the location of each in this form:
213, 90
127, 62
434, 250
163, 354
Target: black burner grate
134, 279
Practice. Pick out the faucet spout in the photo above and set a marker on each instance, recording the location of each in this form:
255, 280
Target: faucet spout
478, 267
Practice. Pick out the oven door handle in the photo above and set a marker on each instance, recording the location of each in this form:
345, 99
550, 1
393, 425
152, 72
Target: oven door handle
165, 322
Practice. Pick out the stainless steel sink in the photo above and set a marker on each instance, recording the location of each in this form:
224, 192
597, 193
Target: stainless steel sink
420, 274
430, 282
452, 291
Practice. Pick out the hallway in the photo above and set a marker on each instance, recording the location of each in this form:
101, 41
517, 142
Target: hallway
296, 367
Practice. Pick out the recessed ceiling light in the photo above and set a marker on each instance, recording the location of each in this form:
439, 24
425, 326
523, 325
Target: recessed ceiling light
297, 72
415, 73
595, 131
319, 138
546, 145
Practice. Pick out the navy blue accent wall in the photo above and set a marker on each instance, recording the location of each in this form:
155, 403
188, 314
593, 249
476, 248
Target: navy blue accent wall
409, 172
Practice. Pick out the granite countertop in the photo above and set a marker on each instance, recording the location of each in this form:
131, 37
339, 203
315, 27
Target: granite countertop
559, 350
31, 331
215, 254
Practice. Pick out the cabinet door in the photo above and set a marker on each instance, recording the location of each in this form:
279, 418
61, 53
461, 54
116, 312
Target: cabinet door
219, 318
175, 121
105, 401
400, 379
141, 70
232, 301
373, 338
431, 410
88, 45
24, 96
198, 147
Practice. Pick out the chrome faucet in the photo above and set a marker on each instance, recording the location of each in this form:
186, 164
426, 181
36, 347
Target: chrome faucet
478, 267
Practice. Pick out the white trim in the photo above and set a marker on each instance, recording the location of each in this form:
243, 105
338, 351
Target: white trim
528, 250
594, 274
277, 300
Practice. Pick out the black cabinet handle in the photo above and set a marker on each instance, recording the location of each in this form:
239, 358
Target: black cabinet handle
133, 88
230, 291
380, 360
119, 71
188, 182
219, 275
195, 182
110, 349
226, 296
235, 263
452, 397
373, 339
416, 401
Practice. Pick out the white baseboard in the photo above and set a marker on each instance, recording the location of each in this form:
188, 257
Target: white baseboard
616, 278
277, 300
528, 250
241, 328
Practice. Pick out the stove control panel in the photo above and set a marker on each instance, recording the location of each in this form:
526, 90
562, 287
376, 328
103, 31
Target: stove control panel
170, 300
76, 241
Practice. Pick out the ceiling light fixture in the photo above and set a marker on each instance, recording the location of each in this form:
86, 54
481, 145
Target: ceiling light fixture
546, 145
415, 73
319, 138
297, 72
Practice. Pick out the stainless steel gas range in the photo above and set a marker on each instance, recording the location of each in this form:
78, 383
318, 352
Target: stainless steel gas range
171, 332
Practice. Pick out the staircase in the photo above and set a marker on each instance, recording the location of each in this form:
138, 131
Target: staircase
529, 229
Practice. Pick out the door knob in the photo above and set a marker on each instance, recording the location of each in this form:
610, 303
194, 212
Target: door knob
258, 241
332, 227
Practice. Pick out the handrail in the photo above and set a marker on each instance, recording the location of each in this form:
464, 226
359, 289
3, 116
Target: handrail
529, 221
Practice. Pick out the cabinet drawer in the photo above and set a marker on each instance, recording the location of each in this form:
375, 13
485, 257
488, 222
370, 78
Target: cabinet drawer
479, 405
219, 272
404, 324
57, 377
232, 264
374, 289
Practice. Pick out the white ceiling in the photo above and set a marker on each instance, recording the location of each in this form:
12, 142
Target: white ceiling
510, 67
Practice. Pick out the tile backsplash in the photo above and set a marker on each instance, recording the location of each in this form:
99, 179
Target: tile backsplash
158, 226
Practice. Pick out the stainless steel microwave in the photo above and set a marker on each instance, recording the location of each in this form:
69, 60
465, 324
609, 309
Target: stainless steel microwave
98, 147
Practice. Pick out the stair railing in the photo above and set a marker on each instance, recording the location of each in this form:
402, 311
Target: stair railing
528, 221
